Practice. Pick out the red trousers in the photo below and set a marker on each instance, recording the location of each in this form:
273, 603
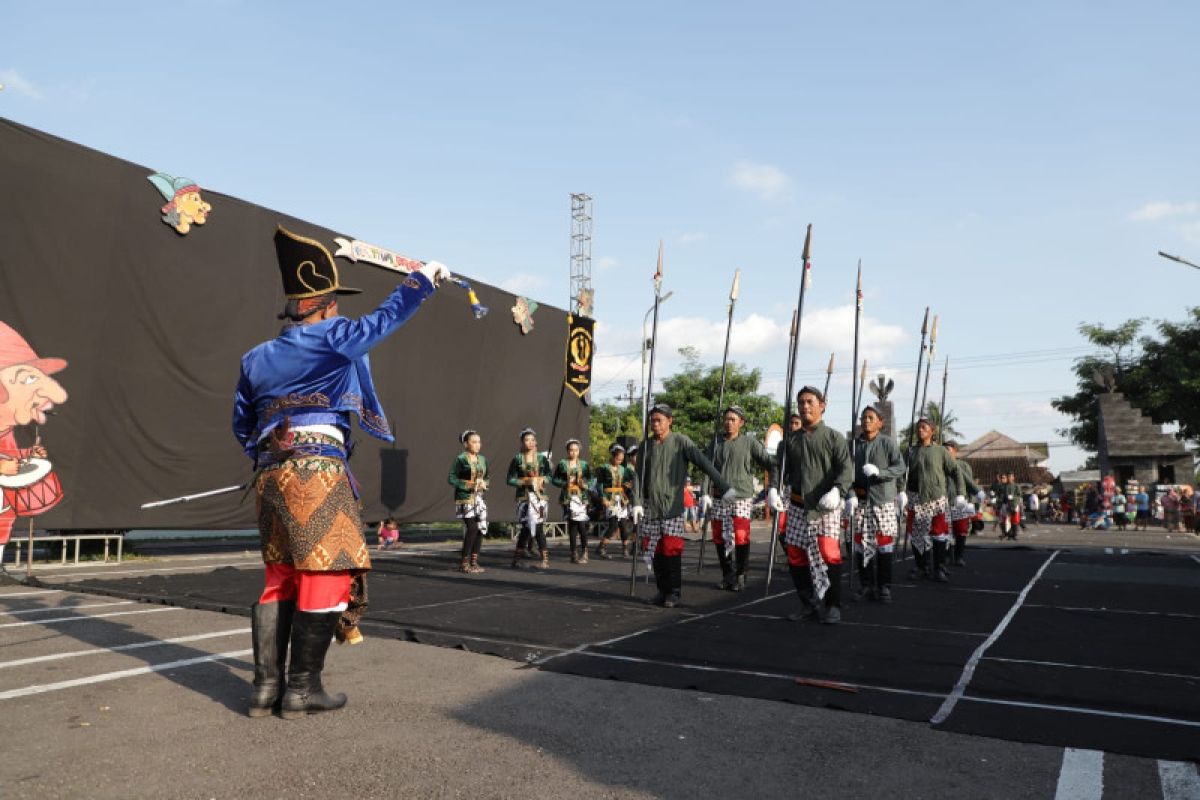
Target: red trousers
667, 545
961, 527
312, 591
741, 531
831, 552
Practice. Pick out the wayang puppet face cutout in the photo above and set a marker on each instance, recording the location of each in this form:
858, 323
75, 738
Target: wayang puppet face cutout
27, 390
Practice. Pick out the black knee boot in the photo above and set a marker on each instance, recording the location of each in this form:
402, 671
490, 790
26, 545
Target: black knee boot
270, 630
866, 583
883, 577
940, 550
742, 554
728, 579
802, 580
674, 565
919, 562
831, 608
661, 579
960, 547
312, 633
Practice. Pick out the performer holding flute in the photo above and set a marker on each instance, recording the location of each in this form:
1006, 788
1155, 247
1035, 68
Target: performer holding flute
617, 484
469, 477
573, 475
528, 473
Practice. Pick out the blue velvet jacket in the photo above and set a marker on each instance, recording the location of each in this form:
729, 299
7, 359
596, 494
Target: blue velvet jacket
320, 373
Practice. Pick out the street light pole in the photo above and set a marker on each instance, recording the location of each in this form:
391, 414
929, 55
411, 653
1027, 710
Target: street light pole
645, 320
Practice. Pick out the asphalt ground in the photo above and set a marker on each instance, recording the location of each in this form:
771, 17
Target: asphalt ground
693, 707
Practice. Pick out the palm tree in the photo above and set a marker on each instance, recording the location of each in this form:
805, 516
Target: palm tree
933, 413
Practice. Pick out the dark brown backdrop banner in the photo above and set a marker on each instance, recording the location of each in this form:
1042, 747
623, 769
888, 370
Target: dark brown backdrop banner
153, 325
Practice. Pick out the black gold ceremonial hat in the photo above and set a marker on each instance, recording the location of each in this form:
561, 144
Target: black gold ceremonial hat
307, 268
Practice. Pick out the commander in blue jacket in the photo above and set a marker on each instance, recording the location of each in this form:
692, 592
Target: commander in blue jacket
292, 416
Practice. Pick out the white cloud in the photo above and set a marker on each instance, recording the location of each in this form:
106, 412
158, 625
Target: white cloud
691, 238
1163, 209
16, 83
766, 180
523, 283
605, 263
832, 330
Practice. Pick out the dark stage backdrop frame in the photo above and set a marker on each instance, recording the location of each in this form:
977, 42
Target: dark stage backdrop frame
153, 325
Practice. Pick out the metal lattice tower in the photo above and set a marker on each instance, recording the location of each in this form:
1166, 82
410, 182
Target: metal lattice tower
581, 255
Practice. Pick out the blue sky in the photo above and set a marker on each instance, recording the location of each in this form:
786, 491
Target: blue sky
1014, 166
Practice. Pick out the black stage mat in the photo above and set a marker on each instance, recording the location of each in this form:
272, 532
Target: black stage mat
1113, 636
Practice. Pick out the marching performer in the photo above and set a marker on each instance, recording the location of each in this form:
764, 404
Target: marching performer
878, 466
528, 473
667, 455
292, 416
739, 458
469, 477
961, 515
573, 475
931, 475
617, 484
820, 473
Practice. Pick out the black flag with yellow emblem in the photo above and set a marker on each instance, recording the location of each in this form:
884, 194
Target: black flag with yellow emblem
580, 351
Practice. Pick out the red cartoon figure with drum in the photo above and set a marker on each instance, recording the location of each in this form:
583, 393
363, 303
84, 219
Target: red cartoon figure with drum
28, 485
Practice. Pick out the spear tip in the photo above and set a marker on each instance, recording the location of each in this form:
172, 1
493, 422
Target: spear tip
737, 278
807, 244
925, 322
829, 369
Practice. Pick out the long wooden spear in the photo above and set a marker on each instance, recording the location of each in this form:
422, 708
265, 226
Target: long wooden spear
942, 407
658, 276
912, 422
854, 385
733, 295
929, 362
805, 281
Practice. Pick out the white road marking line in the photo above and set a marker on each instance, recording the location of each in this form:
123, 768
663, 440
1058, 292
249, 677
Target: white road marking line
88, 616
955, 589
1178, 614
60, 609
20, 662
846, 622
1179, 780
30, 593
1097, 712
1081, 776
1196, 559
1108, 551
786, 676
125, 673
99, 574
1091, 666
969, 669
622, 638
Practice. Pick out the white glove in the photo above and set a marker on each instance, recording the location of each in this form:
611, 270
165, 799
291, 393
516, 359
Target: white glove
981, 496
436, 271
960, 501
870, 470
851, 504
970, 509
774, 501
902, 500
831, 500
730, 496
705, 504
638, 513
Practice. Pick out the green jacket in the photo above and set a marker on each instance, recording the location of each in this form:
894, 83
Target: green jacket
817, 461
622, 477
966, 486
665, 467
463, 474
572, 480
931, 473
522, 468
883, 452
739, 460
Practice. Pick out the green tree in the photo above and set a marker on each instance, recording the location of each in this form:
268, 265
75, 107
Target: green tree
610, 420
933, 412
692, 394
1094, 373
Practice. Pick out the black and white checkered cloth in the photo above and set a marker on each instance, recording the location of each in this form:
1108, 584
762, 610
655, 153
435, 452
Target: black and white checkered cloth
923, 514
966, 511
474, 508
803, 532
531, 512
871, 521
723, 511
658, 528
